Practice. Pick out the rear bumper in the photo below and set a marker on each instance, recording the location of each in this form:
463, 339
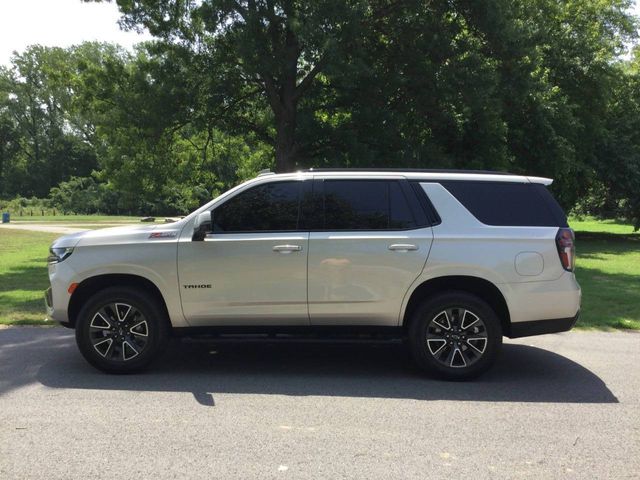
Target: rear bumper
533, 301
541, 327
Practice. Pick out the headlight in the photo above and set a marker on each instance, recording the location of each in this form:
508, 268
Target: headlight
58, 254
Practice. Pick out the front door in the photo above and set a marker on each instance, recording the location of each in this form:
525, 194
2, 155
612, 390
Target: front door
252, 268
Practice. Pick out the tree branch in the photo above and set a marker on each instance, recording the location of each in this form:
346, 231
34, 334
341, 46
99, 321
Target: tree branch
306, 82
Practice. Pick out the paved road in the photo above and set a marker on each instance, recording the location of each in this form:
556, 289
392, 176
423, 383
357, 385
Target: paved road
558, 406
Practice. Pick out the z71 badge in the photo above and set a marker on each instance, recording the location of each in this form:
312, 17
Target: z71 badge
166, 234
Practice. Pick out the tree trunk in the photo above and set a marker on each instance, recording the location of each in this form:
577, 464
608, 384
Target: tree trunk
287, 95
285, 139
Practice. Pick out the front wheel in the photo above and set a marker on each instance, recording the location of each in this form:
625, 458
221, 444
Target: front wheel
455, 335
121, 330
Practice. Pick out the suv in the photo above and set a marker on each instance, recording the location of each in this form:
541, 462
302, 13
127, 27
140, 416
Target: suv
449, 261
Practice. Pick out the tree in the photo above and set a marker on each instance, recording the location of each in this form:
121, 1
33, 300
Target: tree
532, 87
148, 120
41, 145
268, 49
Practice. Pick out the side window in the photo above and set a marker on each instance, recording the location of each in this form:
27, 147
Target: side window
270, 207
400, 216
365, 205
508, 204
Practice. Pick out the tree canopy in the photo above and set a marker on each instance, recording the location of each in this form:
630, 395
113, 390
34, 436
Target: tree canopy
229, 87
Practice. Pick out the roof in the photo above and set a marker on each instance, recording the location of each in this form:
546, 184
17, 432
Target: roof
418, 174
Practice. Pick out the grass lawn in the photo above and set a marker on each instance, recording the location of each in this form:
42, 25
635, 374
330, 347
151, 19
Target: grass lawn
608, 269
23, 275
590, 224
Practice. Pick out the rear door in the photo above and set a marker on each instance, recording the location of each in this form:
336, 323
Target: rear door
370, 240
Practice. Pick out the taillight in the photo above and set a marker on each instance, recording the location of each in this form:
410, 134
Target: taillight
565, 241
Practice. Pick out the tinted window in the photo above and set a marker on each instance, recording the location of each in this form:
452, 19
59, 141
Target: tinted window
365, 205
400, 216
271, 207
509, 204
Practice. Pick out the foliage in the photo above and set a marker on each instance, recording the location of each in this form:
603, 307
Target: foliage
41, 143
231, 87
25, 205
84, 195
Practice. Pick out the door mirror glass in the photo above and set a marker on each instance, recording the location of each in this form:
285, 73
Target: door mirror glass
202, 225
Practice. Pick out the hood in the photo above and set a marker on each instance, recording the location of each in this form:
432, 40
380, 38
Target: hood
120, 235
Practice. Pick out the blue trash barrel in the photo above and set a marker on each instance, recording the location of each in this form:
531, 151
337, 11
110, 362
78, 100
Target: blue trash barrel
5, 217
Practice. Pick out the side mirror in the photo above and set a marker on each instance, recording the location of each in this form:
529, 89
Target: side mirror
202, 226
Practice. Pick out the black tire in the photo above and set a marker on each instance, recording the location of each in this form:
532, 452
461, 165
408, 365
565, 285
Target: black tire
462, 355
108, 335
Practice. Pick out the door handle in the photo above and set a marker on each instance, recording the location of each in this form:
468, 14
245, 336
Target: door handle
402, 247
287, 248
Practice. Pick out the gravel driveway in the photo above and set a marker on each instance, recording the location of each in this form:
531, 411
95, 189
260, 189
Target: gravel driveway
57, 227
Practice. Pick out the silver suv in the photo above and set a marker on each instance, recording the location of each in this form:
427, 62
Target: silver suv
449, 261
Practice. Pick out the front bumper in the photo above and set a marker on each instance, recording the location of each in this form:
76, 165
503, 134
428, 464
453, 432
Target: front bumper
48, 301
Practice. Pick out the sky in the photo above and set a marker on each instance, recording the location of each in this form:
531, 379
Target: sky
60, 23
66, 22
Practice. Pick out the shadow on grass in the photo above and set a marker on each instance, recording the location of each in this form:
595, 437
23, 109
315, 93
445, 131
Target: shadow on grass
32, 281
28, 277
591, 245
10, 305
609, 299
204, 368
605, 236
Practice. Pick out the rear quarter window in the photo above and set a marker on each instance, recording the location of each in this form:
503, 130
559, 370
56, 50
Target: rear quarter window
509, 204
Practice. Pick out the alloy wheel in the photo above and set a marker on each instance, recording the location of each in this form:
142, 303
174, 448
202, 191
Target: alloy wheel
119, 332
456, 337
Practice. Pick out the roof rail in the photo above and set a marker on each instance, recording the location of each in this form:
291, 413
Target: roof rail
266, 171
416, 170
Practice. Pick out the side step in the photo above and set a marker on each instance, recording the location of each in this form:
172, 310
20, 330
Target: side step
323, 334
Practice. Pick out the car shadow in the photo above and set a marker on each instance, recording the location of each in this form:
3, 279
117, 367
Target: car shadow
383, 370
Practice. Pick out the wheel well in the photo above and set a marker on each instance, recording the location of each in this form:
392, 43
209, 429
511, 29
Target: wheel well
88, 287
477, 286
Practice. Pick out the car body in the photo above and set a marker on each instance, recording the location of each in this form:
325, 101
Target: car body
328, 250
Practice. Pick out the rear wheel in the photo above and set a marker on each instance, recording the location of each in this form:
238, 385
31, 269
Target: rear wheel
121, 330
455, 335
